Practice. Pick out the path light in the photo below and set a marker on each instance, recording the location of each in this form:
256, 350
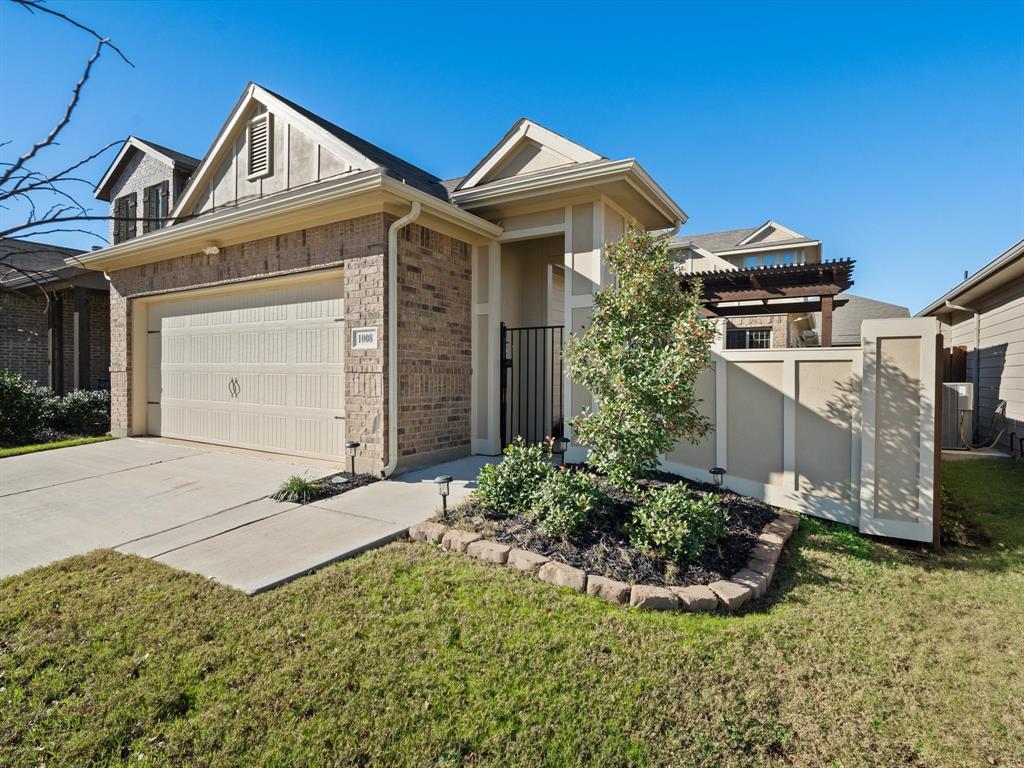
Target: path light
352, 446
443, 481
718, 475
561, 446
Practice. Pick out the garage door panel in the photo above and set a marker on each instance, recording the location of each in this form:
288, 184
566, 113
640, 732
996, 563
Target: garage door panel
261, 369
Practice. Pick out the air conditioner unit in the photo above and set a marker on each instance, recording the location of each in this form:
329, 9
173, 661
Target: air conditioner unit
957, 414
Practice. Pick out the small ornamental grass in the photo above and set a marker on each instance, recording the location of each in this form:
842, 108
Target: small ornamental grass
675, 522
563, 502
299, 490
508, 487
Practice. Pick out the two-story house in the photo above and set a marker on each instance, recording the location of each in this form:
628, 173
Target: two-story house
791, 303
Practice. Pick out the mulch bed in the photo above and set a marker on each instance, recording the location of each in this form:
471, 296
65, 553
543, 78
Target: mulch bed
339, 483
604, 548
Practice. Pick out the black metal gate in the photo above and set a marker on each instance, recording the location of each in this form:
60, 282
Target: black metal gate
531, 383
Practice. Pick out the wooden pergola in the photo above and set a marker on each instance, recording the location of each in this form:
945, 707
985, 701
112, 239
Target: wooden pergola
793, 289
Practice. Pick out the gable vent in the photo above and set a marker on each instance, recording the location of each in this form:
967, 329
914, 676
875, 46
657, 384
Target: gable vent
260, 146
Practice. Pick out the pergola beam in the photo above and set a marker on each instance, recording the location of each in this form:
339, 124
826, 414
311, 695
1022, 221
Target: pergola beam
781, 308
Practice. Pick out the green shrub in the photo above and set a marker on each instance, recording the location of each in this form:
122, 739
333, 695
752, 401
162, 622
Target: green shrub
640, 357
564, 501
508, 487
23, 404
299, 490
82, 412
675, 523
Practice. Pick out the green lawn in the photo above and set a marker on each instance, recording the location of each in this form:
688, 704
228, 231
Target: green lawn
868, 655
21, 450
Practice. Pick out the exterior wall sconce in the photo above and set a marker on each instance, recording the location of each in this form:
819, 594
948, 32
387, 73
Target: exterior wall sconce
443, 481
718, 475
352, 446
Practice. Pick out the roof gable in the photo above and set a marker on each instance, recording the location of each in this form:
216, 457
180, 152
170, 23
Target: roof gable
770, 231
527, 148
171, 158
305, 149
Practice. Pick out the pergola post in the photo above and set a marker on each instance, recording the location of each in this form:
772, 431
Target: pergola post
826, 321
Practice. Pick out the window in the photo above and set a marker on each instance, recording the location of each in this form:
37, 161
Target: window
260, 146
125, 217
771, 259
155, 206
748, 338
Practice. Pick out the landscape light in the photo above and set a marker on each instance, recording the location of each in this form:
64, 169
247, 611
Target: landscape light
443, 481
352, 446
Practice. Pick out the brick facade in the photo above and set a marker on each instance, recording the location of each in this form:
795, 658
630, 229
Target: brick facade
25, 344
434, 347
434, 323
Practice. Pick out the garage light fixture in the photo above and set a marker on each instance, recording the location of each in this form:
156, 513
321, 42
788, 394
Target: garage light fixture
211, 250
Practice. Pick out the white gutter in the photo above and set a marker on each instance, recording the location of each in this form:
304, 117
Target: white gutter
411, 216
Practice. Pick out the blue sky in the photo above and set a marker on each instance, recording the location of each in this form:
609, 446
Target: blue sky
893, 132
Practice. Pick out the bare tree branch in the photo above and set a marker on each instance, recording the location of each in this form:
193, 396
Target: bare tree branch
32, 6
64, 120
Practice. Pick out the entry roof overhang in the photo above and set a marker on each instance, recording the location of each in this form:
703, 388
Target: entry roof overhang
323, 203
625, 182
772, 290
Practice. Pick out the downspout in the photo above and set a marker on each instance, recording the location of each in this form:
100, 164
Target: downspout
977, 361
409, 218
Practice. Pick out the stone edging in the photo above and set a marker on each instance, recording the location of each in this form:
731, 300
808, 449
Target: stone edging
750, 582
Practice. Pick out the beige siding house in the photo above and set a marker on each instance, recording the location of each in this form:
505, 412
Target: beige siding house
985, 315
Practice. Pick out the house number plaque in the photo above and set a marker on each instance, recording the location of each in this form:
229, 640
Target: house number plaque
364, 338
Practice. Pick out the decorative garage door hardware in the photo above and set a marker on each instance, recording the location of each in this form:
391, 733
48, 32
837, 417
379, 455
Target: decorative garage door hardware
234, 387
746, 584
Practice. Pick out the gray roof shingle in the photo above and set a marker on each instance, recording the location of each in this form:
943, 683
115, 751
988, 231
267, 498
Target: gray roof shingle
847, 319
393, 166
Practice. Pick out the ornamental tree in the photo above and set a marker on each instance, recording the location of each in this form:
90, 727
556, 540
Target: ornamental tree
640, 358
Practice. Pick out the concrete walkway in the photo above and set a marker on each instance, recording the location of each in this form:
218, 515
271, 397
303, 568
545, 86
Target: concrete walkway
201, 509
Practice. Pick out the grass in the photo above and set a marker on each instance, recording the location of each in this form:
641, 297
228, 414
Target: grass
21, 450
299, 490
868, 655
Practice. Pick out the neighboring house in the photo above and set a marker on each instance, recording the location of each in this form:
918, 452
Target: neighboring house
54, 317
847, 319
142, 185
985, 316
773, 290
768, 246
308, 288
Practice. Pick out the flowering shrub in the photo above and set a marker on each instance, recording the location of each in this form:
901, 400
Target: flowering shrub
564, 501
508, 487
673, 522
640, 358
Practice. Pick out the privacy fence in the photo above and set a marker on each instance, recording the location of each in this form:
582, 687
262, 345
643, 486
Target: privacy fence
844, 433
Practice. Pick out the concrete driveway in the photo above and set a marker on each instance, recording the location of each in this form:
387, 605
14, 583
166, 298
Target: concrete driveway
200, 509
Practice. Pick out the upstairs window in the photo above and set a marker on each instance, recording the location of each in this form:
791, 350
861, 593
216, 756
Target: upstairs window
125, 217
770, 259
156, 205
259, 146
748, 338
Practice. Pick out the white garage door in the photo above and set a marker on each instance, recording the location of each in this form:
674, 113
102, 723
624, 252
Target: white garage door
262, 368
